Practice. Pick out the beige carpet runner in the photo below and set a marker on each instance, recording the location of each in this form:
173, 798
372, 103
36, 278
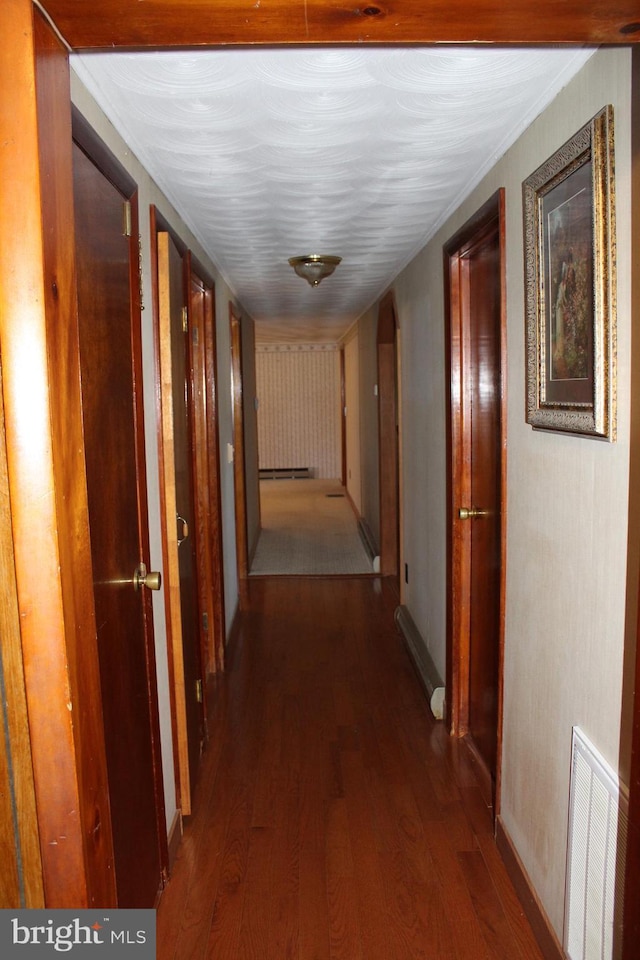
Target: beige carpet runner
308, 527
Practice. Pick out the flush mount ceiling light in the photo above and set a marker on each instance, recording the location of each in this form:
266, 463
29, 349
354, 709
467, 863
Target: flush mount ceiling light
314, 267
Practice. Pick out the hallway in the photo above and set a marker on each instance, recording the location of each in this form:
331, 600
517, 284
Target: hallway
334, 817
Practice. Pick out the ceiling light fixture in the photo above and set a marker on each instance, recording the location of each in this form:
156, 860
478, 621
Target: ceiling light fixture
314, 267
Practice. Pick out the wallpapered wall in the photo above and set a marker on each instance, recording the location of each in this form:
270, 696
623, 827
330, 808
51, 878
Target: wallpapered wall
298, 389
567, 568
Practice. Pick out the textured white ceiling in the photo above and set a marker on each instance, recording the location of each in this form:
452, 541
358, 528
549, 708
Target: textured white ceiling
361, 153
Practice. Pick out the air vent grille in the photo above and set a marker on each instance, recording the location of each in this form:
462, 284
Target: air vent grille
595, 868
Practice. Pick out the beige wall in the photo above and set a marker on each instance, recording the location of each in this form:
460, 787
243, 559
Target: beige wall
567, 513
299, 407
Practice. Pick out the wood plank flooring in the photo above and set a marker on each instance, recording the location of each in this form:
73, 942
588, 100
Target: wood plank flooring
334, 818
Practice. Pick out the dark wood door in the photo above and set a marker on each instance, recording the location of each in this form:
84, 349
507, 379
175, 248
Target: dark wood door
389, 440
483, 292
180, 504
474, 270
106, 264
206, 469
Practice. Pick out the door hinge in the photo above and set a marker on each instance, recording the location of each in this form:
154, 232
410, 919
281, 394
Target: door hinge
205, 622
199, 691
126, 218
185, 320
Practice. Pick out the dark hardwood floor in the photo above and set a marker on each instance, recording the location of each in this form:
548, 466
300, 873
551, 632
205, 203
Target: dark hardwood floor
334, 818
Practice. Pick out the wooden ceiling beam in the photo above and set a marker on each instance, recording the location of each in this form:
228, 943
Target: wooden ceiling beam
182, 23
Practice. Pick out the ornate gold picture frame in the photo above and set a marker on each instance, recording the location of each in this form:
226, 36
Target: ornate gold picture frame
570, 292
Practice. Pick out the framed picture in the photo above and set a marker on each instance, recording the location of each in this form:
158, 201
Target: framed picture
570, 295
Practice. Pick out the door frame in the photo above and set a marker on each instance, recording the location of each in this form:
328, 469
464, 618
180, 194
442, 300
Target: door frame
343, 421
45, 455
182, 749
490, 215
631, 932
239, 475
389, 437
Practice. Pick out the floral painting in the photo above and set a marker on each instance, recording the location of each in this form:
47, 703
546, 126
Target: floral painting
570, 285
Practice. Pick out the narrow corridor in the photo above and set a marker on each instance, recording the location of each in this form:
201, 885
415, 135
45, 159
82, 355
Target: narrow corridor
334, 818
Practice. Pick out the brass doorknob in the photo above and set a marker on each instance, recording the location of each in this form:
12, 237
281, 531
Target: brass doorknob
471, 513
152, 581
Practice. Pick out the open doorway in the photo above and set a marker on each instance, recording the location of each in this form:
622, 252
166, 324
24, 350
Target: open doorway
308, 515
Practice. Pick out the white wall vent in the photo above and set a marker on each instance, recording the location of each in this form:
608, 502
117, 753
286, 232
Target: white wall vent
598, 820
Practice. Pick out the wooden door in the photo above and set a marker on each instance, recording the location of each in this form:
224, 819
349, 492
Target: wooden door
206, 469
239, 474
343, 421
388, 440
181, 587
106, 263
475, 301
483, 292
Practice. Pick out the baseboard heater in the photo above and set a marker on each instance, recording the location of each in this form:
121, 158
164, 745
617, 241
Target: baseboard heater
426, 668
285, 473
369, 543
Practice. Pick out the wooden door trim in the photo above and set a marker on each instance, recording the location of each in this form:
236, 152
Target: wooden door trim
631, 933
101, 156
45, 451
171, 579
388, 447
343, 420
19, 838
118, 23
143, 521
157, 223
239, 478
485, 220
171, 588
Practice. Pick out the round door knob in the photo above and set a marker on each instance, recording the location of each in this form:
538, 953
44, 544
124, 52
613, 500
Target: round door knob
471, 513
152, 580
